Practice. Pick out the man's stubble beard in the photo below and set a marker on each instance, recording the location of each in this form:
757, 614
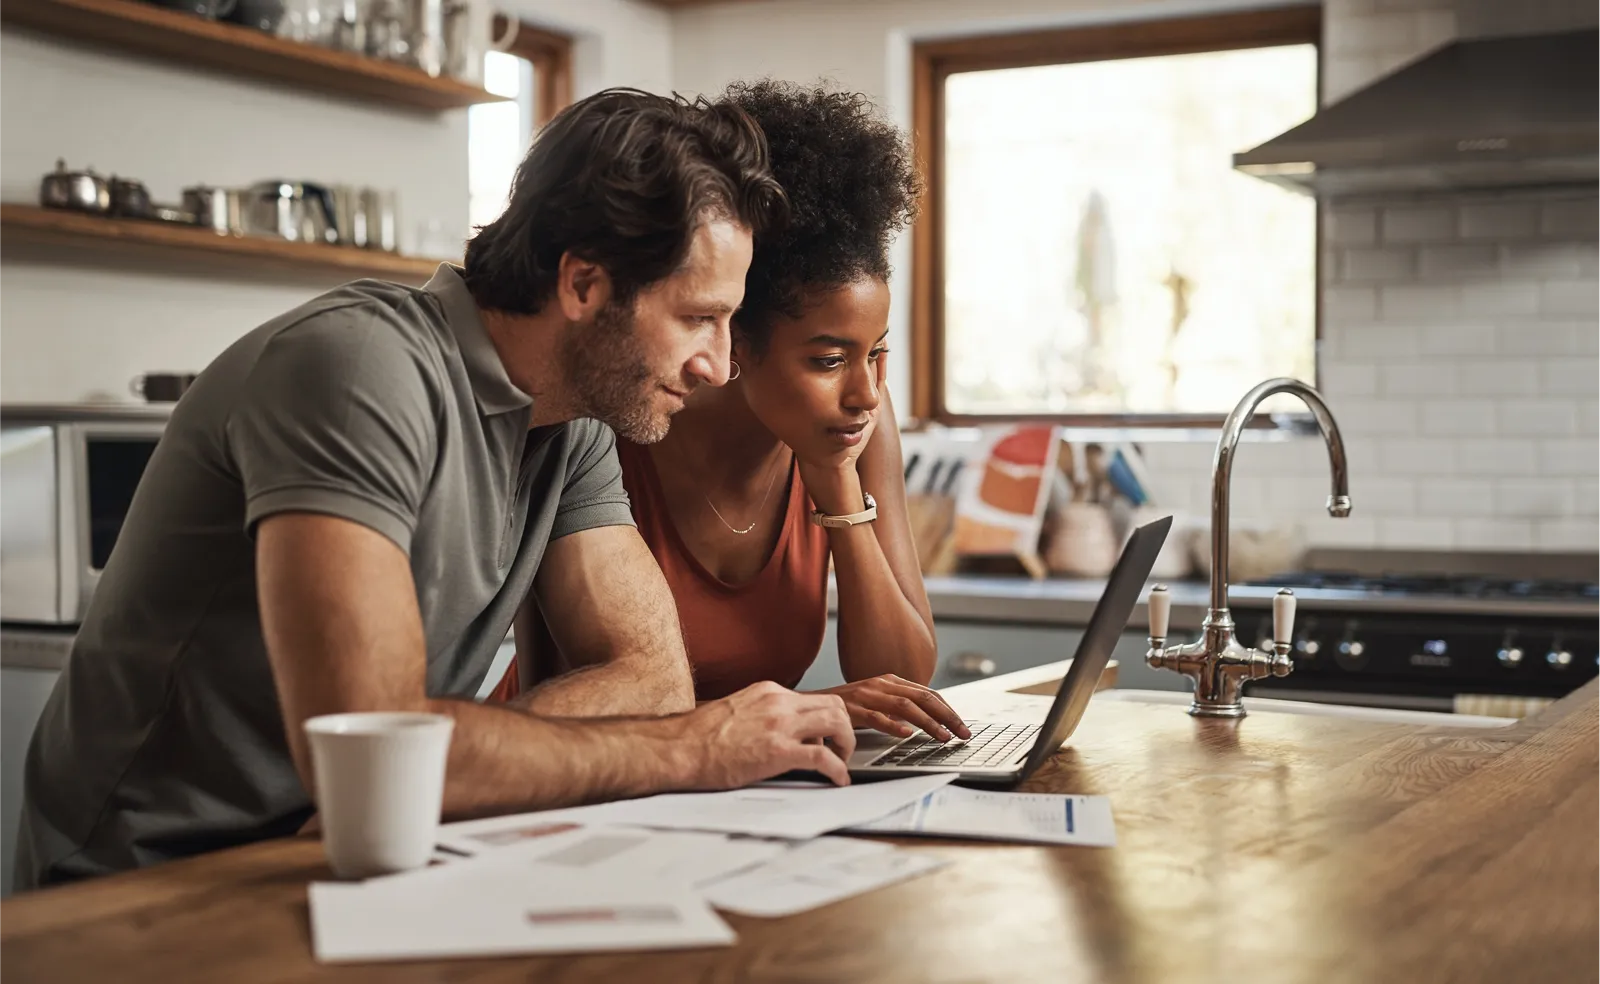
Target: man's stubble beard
611, 377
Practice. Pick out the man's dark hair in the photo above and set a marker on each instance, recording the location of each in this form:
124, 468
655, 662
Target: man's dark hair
851, 182
623, 179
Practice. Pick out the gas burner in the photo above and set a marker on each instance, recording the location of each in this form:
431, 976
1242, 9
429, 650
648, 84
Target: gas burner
1440, 585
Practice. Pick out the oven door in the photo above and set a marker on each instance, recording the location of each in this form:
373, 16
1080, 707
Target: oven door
103, 462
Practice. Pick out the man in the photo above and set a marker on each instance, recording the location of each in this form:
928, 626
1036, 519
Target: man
351, 501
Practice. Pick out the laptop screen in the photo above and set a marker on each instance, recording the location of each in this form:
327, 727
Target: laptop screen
1111, 614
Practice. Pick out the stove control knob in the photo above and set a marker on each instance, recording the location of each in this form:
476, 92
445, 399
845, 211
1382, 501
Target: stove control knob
1352, 648
1509, 656
1558, 657
1308, 646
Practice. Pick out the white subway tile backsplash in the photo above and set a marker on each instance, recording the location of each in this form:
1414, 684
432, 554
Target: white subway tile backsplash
1345, 304
1496, 457
1389, 263
1575, 457
1567, 534
1417, 456
1418, 224
1351, 531
1435, 27
1586, 497
1571, 218
1486, 299
1536, 417
1589, 416
1417, 379
1432, 302
1380, 495
1378, 417
1458, 418
1532, 498
1557, 338
1446, 262
1339, 379
1567, 298
1350, 226
1540, 259
1460, 339
1494, 534
1500, 220
1456, 498
1420, 533
1497, 377
1574, 376
1362, 343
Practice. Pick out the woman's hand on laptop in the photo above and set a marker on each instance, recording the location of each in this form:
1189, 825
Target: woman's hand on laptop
767, 729
896, 706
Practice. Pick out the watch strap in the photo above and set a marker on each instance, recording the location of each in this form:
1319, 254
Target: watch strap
866, 515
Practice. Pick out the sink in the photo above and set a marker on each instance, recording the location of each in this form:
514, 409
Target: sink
1266, 705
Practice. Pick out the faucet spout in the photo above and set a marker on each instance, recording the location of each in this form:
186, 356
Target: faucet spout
1222, 470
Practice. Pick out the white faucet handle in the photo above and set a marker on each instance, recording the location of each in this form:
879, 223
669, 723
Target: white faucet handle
1283, 618
1160, 611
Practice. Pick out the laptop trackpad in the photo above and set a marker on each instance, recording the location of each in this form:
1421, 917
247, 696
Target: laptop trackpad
869, 745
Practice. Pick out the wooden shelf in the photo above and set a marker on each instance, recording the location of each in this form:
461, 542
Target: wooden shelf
188, 39
192, 244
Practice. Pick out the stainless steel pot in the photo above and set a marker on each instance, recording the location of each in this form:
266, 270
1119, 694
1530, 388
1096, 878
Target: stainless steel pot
293, 210
81, 191
219, 209
130, 199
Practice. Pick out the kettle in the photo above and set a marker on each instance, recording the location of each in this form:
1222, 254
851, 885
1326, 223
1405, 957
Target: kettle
294, 210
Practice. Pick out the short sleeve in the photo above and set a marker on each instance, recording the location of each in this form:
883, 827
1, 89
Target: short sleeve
593, 495
337, 417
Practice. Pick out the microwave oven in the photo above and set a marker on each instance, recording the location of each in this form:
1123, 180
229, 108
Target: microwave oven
67, 477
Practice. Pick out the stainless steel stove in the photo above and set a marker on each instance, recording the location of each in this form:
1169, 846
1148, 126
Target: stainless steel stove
1431, 641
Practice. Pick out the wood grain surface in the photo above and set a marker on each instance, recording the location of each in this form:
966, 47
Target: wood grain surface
1278, 848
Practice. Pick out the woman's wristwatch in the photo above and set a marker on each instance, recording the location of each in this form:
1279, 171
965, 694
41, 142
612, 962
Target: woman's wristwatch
866, 515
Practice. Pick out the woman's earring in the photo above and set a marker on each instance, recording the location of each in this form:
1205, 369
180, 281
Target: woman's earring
735, 373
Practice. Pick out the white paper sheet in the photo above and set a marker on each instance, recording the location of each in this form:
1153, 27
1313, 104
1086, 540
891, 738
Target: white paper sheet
794, 811
499, 911
671, 857
817, 873
1036, 818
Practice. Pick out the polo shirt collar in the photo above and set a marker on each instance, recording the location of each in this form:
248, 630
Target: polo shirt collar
493, 389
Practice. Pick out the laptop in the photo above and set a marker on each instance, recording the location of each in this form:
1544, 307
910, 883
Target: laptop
1005, 754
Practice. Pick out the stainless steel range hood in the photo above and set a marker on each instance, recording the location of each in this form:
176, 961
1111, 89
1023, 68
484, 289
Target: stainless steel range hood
1488, 113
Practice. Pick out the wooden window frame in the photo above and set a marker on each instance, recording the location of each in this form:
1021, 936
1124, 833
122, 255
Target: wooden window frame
934, 61
551, 55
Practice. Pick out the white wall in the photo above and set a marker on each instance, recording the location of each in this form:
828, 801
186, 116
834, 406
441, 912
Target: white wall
77, 327
616, 42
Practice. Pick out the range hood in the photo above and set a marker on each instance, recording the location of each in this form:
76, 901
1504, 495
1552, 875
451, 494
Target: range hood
1484, 113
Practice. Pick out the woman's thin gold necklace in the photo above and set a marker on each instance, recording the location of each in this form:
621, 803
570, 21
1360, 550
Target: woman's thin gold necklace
759, 509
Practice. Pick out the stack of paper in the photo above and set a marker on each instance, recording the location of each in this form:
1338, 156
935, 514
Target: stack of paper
644, 874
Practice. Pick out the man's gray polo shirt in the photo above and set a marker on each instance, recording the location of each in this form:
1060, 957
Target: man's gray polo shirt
381, 404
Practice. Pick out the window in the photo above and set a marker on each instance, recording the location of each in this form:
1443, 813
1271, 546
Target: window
534, 72
1088, 251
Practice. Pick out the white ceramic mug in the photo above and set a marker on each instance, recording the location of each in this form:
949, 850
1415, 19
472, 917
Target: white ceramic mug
380, 788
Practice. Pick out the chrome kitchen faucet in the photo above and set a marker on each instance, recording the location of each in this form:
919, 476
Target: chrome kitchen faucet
1217, 664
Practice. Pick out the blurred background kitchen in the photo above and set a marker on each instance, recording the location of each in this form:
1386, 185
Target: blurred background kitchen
1126, 229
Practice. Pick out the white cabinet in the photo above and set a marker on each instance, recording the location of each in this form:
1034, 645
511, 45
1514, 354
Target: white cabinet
969, 650
22, 696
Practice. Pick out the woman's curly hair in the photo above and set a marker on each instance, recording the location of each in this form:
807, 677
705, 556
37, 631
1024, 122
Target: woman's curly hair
851, 182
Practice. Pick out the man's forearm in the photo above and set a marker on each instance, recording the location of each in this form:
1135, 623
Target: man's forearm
614, 688
502, 761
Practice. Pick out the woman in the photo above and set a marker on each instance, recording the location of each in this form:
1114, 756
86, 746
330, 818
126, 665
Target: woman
728, 501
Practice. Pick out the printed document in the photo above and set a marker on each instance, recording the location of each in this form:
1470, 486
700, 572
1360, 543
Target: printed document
1034, 818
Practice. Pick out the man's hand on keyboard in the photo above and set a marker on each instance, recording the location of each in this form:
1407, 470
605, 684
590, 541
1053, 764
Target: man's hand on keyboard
897, 706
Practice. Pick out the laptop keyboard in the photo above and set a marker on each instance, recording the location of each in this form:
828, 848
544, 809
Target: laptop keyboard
990, 744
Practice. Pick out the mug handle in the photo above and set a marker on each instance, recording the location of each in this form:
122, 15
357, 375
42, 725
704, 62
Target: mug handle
513, 26
136, 386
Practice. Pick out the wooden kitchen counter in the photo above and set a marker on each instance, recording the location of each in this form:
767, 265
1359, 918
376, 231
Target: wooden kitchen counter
1280, 848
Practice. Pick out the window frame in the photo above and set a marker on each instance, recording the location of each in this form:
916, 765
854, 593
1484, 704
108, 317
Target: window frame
935, 60
551, 56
